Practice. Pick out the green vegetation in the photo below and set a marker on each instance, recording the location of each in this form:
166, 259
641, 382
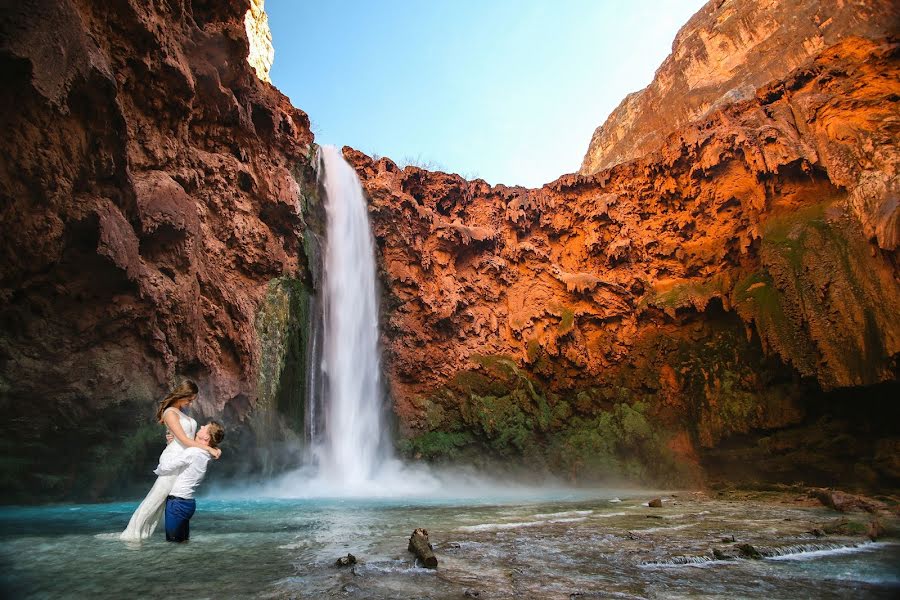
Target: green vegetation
111, 463
282, 331
819, 297
436, 445
501, 412
619, 442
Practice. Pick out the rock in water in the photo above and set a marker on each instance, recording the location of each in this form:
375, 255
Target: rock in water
844, 502
655, 503
748, 551
345, 561
418, 544
875, 530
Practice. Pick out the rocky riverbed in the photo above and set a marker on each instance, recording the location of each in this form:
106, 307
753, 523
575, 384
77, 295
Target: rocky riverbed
551, 544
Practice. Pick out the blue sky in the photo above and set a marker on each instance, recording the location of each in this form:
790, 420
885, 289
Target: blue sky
506, 90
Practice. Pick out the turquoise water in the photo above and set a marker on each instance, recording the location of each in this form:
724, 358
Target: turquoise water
559, 545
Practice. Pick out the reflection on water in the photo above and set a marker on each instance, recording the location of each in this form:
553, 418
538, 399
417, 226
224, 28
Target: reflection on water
570, 546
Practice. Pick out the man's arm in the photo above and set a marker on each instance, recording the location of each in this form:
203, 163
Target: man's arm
174, 464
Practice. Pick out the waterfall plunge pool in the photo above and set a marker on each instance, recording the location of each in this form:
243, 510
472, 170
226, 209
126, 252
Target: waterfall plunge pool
557, 544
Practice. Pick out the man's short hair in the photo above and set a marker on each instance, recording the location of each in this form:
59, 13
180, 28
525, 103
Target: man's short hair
216, 434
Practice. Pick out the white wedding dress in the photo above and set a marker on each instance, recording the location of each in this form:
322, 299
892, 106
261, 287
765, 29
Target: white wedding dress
147, 516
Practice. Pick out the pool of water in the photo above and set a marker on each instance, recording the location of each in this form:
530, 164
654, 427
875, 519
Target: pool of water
558, 545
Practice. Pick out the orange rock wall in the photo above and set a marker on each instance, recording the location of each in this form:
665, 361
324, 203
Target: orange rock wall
722, 55
778, 212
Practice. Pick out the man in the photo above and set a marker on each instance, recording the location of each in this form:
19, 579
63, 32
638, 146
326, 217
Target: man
191, 466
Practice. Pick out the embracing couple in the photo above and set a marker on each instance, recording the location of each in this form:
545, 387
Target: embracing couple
182, 466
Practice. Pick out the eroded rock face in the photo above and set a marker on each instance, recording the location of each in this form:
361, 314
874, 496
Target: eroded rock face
656, 308
722, 55
151, 189
262, 53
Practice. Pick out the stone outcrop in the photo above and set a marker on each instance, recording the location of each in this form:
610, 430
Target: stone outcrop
262, 53
151, 189
659, 307
722, 55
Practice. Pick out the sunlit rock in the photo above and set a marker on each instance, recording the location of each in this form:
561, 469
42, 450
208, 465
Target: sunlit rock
721, 56
262, 52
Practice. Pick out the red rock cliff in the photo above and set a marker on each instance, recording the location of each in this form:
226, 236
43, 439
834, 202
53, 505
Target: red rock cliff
757, 242
150, 190
722, 55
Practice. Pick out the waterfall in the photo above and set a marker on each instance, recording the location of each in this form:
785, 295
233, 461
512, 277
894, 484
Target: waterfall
349, 452
351, 448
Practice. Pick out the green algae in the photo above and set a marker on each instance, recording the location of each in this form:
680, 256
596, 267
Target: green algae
690, 294
282, 334
112, 463
436, 445
622, 442
566, 319
819, 300
509, 415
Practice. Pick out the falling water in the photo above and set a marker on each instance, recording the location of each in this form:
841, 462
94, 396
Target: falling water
350, 448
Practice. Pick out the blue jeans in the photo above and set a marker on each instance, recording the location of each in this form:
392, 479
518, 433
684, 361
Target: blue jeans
178, 518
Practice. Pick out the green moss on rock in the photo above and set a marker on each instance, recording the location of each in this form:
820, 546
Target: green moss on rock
281, 327
436, 445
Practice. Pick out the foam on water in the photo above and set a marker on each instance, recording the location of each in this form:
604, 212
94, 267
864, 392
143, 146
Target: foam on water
814, 551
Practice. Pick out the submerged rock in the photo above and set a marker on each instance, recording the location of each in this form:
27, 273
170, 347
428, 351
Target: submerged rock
345, 561
727, 553
817, 532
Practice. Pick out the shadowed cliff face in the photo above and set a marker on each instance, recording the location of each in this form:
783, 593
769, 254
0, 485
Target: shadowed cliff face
721, 56
151, 189
709, 289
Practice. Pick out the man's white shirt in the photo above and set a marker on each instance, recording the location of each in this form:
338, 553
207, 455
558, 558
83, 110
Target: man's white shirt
191, 466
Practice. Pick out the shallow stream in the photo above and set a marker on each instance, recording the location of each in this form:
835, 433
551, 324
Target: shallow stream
559, 545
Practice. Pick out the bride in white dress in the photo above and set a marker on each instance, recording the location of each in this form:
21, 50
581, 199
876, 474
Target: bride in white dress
183, 428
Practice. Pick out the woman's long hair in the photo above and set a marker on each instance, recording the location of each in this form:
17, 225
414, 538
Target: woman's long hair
185, 389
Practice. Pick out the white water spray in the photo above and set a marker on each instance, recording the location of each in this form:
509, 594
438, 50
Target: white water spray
352, 449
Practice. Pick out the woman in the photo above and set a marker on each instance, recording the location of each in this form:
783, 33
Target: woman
183, 428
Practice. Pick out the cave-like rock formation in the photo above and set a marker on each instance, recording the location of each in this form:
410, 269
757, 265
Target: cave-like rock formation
652, 311
150, 190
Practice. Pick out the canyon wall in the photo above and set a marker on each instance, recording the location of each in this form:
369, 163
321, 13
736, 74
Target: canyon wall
640, 320
152, 200
722, 55
727, 301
